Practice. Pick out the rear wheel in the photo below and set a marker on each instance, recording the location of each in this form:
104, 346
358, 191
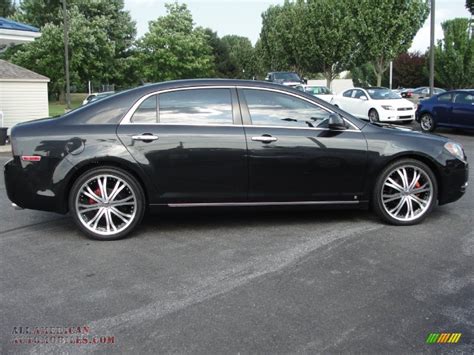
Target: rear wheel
426, 123
373, 115
405, 192
106, 203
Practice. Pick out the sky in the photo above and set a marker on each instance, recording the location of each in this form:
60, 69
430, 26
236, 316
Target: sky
242, 17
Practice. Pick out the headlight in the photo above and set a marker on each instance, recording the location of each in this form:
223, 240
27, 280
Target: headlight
455, 149
391, 108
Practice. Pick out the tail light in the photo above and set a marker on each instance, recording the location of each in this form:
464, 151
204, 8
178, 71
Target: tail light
30, 158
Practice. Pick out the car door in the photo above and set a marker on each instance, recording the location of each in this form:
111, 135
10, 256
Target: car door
442, 109
293, 156
359, 104
191, 143
343, 101
463, 110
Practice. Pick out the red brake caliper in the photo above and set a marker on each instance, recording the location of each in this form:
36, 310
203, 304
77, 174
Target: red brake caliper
417, 185
97, 192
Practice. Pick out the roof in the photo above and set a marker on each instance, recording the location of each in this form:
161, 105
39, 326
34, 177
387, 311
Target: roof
12, 72
17, 26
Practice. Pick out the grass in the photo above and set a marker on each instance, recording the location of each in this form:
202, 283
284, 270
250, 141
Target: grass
57, 108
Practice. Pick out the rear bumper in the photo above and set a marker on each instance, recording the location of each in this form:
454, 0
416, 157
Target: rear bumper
32, 185
454, 182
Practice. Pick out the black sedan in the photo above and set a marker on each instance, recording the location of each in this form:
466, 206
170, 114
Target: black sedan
452, 109
201, 143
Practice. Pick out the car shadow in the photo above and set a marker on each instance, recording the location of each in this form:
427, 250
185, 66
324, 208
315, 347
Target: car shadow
233, 217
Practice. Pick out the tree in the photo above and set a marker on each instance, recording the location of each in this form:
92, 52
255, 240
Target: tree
455, 55
386, 29
241, 53
470, 6
324, 37
410, 70
7, 8
101, 35
173, 48
277, 44
224, 66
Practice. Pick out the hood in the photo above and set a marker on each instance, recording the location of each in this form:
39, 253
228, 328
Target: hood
405, 131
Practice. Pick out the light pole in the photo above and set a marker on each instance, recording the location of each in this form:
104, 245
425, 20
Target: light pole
66, 56
432, 47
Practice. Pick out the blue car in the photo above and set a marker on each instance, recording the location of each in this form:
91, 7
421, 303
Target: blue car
453, 109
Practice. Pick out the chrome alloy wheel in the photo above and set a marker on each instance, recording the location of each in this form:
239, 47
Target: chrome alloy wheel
426, 122
407, 193
106, 205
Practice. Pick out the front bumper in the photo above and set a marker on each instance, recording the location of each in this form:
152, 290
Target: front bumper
454, 182
396, 116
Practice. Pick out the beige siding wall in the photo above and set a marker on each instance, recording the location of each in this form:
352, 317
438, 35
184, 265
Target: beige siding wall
23, 101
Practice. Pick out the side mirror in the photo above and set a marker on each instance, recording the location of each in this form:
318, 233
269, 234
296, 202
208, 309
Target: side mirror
363, 98
336, 122
305, 81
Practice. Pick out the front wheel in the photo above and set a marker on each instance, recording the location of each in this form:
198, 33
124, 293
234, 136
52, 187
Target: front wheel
106, 203
374, 115
405, 192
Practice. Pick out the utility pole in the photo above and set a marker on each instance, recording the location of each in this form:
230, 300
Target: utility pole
432, 47
66, 56
391, 75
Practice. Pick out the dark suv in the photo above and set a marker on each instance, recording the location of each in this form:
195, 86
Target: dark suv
291, 79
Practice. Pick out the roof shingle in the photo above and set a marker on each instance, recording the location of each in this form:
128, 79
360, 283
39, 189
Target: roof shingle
12, 71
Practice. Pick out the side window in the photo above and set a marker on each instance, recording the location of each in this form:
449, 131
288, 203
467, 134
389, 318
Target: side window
358, 94
348, 93
445, 98
464, 99
146, 112
268, 108
196, 106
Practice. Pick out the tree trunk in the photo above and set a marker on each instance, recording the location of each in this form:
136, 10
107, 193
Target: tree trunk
379, 78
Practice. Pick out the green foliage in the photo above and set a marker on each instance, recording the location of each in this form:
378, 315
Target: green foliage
454, 55
324, 37
100, 36
7, 8
386, 28
241, 53
174, 49
224, 66
332, 36
277, 38
470, 6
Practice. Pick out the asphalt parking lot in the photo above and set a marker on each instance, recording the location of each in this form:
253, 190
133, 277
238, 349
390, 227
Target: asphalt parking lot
244, 281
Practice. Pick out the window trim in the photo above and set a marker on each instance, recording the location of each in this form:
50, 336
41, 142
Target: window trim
157, 114
239, 108
248, 122
236, 119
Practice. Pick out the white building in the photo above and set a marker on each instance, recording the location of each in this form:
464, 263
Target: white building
23, 94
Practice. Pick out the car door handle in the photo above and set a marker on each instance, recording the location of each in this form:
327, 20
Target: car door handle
264, 139
145, 137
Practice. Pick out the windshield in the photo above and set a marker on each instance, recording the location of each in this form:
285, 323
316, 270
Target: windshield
318, 90
287, 77
383, 94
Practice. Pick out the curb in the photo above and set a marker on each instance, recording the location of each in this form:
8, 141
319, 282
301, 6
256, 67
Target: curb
5, 148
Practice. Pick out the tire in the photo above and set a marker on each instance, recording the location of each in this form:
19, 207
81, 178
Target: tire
388, 195
373, 115
427, 123
114, 216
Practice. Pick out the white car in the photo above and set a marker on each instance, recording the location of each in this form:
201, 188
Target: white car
96, 96
321, 92
376, 104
